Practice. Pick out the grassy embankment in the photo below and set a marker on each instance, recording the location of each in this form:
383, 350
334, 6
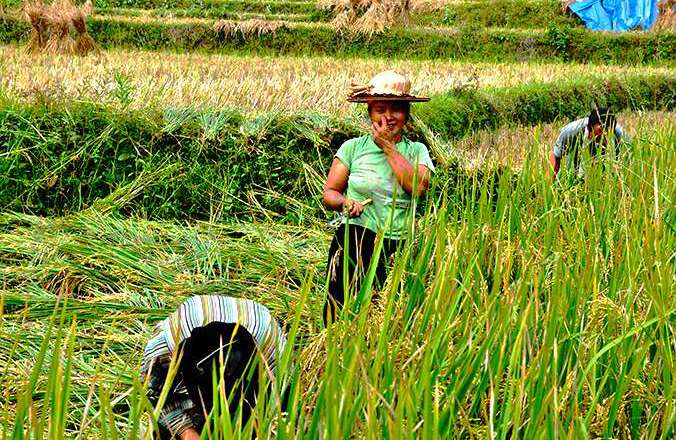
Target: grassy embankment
62, 157
467, 42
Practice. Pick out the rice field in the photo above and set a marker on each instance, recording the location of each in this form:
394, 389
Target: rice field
254, 84
517, 307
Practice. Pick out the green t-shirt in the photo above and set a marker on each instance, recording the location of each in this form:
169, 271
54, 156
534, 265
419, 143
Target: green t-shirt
372, 178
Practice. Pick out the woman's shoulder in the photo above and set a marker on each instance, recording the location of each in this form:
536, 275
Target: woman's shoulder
355, 143
360, 140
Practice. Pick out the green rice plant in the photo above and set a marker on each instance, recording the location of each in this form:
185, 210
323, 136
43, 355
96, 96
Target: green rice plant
518, 307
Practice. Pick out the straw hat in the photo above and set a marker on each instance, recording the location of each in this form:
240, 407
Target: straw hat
385, 86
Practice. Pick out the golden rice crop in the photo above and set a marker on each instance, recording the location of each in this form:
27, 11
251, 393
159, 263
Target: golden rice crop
666, 19
254, 84
148, 17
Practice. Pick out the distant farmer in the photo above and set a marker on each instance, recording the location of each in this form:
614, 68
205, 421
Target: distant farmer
590, 135
373, 179
204, 333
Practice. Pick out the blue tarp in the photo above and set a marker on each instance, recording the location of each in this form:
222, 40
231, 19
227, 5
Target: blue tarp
616, 15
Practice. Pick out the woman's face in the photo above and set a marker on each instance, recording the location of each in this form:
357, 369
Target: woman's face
395, 114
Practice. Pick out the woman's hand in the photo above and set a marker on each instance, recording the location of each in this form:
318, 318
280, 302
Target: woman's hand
383, 136
352, 208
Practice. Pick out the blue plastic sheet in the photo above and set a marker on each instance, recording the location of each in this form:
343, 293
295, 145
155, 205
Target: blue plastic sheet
616, 15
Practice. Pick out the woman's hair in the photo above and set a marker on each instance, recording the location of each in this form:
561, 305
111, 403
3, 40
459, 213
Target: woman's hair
603, 116
405, 104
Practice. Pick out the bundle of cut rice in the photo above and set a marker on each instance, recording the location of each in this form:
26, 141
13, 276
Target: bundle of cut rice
666, 20
369, 16
59, 27
247, 28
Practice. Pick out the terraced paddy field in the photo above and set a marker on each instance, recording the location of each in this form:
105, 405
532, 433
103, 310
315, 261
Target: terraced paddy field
255, 84
179, 160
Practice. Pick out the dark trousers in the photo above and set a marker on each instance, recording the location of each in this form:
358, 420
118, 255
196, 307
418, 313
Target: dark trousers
360, 253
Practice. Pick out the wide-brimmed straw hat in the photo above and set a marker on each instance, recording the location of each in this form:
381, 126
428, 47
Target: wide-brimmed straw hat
385, 86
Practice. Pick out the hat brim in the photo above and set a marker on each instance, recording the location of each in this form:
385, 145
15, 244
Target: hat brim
371, 98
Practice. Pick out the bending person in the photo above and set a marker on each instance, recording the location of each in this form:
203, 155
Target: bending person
590, 134
383, 166
203, 331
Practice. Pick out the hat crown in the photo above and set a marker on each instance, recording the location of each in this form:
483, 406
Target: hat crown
385, 86
390, 83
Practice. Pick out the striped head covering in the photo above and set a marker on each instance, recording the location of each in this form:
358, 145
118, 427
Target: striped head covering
199, 311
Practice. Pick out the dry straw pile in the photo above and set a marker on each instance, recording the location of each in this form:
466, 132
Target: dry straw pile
59, 27
247, 28
368, 16
666, 20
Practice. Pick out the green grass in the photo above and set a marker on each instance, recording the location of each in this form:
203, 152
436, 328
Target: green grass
524, 14
520, 308
221, 9
217, 163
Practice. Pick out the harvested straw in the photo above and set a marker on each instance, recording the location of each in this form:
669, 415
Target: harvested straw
666, 20
59, 27
368, 16
35, 14
247, 28
84, 43
566, 3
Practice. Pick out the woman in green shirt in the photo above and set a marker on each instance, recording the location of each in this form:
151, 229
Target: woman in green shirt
383, 166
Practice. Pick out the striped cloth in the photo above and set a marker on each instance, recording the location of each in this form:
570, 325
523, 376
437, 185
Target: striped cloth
178, 413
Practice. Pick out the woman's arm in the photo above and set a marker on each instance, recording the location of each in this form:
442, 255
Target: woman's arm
403, 170
335, 186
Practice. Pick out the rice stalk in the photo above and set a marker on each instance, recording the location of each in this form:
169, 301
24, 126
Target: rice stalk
520, 304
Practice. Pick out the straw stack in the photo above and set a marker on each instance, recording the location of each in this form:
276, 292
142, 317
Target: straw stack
247, 28
59, 28
368, 16
666, 20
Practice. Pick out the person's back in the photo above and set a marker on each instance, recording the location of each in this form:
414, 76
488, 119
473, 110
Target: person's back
231, 334
585, 136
